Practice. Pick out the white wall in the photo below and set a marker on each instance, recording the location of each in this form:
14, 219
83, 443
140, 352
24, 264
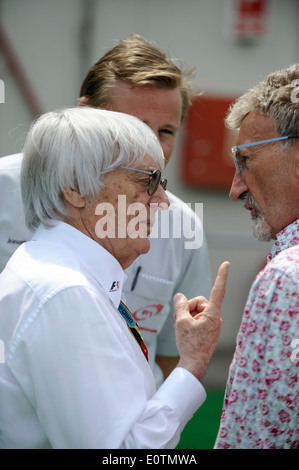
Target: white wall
55, 52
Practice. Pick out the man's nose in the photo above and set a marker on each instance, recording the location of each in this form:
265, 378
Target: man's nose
238, 187
160, 197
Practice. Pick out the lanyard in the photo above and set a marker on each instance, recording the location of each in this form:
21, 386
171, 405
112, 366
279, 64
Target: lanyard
133, 327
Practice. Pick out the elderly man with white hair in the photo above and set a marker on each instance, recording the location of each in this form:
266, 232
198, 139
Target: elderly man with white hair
76, 373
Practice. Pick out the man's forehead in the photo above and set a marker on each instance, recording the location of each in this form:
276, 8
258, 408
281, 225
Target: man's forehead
144, 100
255, 127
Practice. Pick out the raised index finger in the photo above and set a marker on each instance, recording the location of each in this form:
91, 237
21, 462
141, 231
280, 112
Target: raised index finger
218, 290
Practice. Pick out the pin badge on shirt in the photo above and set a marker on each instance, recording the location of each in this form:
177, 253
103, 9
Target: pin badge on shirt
115, 286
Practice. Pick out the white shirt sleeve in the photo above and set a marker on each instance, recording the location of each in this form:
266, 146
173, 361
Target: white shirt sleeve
89, 383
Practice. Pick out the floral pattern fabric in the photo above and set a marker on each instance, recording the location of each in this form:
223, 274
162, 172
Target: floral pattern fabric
261, 404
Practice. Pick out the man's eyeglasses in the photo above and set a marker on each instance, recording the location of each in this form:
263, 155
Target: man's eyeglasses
154, 179
239, 167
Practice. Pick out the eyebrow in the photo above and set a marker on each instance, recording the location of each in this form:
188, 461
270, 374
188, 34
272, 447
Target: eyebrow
239, 151
149, 169
141, 173
171, 126
266, 141
167, 125
242, 149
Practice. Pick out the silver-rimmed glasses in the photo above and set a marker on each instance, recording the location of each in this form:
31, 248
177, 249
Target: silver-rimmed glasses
154, 179
239, 167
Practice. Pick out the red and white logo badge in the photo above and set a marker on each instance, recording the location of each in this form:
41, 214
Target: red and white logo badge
115, 286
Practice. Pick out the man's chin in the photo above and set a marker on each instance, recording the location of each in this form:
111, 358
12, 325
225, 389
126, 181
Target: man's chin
141, 245
261, 230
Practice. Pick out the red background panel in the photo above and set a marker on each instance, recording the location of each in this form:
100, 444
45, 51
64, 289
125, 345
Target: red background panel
206, 154
249, 17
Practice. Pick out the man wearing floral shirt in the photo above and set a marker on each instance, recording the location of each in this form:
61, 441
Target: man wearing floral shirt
262, 401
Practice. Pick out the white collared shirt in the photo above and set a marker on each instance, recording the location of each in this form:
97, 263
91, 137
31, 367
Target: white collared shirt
167, 268
74, 376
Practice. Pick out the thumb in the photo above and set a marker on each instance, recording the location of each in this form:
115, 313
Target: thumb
181, 305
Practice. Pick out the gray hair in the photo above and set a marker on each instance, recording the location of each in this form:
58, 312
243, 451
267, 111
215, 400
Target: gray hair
75, 148
274, 97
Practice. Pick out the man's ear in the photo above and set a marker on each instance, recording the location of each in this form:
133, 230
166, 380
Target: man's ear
74, 198
83, 101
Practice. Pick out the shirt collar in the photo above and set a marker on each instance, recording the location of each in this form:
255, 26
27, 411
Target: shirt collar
98, 261
286, 238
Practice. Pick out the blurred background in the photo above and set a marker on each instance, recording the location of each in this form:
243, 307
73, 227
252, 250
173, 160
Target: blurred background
46, 48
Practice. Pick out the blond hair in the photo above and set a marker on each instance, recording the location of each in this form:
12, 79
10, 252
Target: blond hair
137, 62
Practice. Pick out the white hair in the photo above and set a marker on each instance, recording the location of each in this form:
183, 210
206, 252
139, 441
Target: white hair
75, 148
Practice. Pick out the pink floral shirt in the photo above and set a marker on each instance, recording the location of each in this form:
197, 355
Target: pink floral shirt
261, 405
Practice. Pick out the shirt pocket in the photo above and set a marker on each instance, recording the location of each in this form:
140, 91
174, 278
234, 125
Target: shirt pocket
149, 302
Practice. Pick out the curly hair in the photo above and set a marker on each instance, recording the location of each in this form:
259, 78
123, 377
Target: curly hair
274, 96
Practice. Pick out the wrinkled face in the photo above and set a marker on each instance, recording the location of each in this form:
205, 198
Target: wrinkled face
160, 109
121, 217
268, 184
